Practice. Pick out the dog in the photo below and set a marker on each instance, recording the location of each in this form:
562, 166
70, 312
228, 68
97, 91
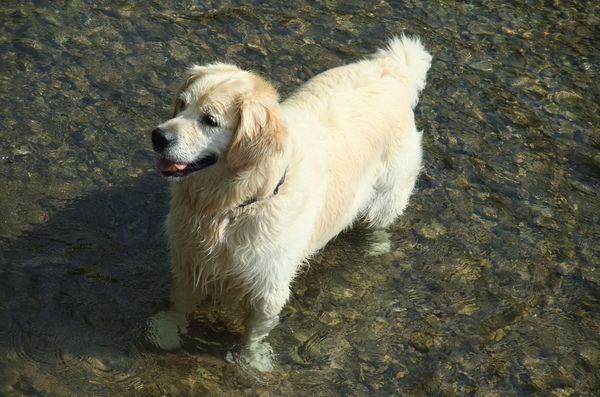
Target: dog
259, 185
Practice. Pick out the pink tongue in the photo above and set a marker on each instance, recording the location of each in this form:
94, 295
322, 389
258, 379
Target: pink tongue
165, 165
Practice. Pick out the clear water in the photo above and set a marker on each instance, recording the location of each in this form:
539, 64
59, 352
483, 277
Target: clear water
493, 284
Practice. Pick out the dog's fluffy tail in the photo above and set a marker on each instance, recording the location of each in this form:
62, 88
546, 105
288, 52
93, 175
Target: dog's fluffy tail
413, 59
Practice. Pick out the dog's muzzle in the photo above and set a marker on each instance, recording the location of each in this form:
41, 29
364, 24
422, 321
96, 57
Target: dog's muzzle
161, 140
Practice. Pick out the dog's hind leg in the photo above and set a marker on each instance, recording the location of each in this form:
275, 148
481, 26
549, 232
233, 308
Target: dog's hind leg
393, 187
391, 196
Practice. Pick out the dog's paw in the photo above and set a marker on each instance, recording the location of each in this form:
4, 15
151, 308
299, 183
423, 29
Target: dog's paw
379, 243
165, 328
256, 358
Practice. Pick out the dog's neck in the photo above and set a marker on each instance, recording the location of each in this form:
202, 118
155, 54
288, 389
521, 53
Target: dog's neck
275, 191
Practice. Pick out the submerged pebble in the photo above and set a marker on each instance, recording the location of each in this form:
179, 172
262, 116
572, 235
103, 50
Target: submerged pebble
487, 285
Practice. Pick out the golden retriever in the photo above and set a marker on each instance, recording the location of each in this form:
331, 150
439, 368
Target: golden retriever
259, 185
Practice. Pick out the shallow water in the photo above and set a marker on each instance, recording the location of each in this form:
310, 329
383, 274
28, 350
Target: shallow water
493, 284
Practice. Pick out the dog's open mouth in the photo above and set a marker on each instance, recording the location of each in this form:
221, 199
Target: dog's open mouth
175, 169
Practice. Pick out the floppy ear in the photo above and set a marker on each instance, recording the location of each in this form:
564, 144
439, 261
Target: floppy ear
260, 133
193, 74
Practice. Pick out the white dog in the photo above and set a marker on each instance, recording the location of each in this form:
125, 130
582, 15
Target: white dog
258, 185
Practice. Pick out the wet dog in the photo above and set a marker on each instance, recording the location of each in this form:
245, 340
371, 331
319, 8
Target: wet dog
259, 185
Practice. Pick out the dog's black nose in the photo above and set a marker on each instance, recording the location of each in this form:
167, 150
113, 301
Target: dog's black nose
161, 139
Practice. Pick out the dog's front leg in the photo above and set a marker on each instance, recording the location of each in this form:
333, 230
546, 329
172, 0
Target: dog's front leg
262, 317
167, 326
258, 325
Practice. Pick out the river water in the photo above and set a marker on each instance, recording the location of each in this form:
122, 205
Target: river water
492, 287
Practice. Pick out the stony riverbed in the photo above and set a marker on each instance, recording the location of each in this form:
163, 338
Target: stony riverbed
492, 287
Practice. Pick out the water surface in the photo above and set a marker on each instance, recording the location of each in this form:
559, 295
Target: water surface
493, 283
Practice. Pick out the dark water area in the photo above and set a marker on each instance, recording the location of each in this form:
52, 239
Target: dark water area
492, 287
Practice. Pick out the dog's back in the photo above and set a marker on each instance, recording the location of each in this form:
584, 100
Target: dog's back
405, 59
364, 128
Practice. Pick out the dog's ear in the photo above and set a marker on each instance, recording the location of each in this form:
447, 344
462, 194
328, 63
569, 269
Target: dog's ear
260, 133
192, 74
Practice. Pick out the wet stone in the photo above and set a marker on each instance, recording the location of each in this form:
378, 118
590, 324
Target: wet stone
491, 284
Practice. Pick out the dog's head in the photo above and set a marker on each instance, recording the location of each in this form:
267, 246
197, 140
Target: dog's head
221, 114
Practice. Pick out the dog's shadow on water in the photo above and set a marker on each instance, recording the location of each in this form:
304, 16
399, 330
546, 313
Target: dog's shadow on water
77, 292
81, 287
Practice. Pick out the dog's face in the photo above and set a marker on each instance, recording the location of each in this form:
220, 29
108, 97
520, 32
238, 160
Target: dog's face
221, 114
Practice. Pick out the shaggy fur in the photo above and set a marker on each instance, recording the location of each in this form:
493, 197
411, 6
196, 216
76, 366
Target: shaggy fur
258, 185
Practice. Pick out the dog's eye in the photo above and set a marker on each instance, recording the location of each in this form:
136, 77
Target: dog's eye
209, 120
